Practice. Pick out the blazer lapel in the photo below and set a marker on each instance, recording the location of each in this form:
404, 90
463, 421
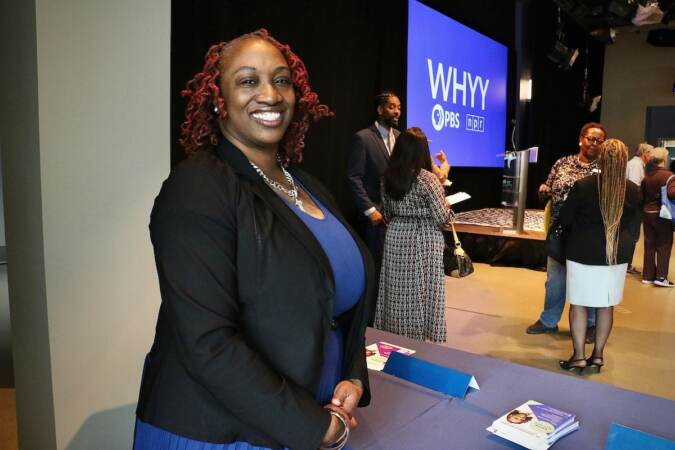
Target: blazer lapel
380, 142
239, 163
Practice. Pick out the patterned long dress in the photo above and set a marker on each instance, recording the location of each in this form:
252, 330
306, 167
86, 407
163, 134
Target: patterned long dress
411, 297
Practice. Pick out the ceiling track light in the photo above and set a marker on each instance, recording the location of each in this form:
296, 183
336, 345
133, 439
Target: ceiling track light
560, 54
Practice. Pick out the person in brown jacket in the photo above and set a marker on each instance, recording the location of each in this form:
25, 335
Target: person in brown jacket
658, 231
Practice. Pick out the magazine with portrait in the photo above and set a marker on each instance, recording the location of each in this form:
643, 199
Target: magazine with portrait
534, 425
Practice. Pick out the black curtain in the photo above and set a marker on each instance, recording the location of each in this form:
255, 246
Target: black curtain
354, 49
558, 110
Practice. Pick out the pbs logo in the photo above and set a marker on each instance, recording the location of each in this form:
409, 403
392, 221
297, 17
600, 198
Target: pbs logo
441, 118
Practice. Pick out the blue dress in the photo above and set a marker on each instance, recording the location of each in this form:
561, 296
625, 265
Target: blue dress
350, 279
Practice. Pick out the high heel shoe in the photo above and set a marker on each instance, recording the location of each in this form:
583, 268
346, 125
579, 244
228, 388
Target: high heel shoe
595, 363
570, 365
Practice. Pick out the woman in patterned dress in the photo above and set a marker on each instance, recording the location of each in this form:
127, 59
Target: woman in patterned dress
411, 298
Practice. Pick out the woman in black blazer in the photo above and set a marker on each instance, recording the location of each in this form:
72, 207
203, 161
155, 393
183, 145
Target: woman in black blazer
596, 219
260, 335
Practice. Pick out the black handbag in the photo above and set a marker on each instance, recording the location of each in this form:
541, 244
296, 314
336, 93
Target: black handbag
456, 262
555, 243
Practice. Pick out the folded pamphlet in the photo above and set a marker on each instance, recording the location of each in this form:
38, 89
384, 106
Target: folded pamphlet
457, 197
378, 353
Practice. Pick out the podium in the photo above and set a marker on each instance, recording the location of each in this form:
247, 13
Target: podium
514, 183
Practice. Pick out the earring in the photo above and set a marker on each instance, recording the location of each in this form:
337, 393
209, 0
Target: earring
579, 143
219, 113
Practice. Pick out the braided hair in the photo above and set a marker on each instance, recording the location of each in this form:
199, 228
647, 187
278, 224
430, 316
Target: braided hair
200, 127
612, 192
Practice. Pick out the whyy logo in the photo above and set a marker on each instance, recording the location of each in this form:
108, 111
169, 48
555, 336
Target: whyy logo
473, 85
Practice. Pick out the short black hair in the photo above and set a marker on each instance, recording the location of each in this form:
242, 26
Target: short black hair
590, 125
382, 98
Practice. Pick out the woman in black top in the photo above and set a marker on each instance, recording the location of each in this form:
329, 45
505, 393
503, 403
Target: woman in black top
596, 218
260, 334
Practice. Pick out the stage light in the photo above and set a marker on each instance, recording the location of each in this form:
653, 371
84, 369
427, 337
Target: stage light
562, 56
595, 102
526, 90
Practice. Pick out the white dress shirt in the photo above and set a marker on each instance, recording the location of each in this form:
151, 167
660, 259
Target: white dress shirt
635, 170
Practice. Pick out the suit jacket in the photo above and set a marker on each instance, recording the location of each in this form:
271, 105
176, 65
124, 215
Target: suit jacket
584, 229
247, 300
368, 159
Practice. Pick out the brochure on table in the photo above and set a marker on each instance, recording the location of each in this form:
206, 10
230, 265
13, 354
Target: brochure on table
378, 353
534, 425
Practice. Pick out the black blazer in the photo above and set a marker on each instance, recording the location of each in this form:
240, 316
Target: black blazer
368, 159
583, 227
247, 300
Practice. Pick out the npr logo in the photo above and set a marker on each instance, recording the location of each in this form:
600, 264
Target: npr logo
475, 123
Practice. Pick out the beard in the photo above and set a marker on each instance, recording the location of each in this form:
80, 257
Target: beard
390, 121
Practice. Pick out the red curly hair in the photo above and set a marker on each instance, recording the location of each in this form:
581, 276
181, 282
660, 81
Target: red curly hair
200, 127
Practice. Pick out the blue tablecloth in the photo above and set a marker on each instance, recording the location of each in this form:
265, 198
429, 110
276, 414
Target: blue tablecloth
404, 416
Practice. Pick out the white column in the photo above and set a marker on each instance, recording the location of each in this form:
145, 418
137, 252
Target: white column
84, 130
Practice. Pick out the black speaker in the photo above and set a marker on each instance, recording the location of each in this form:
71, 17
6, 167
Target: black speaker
664, 37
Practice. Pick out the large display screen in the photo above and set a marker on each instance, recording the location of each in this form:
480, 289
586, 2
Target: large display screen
457, 81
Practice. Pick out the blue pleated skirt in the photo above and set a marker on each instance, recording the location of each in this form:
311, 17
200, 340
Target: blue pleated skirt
148, 437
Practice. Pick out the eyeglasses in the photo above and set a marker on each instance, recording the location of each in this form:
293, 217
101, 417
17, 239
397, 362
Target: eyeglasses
594, 140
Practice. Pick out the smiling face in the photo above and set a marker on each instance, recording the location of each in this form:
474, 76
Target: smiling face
258, 92
518, 417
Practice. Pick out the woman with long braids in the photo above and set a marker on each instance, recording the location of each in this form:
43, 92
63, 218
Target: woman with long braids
596, 218
260, 336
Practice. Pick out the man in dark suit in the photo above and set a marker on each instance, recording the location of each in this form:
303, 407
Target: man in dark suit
367, 162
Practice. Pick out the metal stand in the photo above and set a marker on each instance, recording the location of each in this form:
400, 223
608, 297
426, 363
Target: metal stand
514, 184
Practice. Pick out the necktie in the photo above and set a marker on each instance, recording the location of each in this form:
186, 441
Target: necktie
392, 141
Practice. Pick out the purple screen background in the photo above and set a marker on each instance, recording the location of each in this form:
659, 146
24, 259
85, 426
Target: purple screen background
432, 35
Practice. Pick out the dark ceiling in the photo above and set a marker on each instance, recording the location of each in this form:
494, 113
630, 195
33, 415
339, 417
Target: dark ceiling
598, 14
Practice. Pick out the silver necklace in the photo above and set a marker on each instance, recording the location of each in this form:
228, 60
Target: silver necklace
292, 192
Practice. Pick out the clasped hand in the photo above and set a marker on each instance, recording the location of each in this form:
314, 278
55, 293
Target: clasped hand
544, 192
345, 399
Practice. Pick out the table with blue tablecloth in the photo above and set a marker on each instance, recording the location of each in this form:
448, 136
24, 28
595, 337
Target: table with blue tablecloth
405, 416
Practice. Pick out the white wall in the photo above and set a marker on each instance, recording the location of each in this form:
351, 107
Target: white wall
82, 163
636, 75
